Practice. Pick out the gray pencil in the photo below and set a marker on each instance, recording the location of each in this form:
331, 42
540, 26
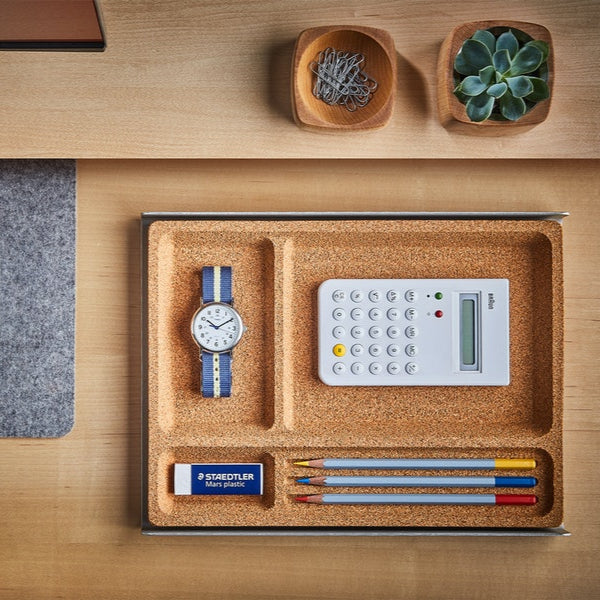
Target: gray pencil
409, 481
419, 463
448, 499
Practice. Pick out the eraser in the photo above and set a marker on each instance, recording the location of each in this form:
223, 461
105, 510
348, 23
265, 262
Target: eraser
218, 479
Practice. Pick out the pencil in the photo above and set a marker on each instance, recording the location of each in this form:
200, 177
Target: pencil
419, 463
448, 499
390, 481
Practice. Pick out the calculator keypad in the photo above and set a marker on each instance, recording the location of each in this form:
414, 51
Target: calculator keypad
375, 329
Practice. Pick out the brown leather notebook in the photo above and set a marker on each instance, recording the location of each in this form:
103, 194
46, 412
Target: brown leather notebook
50, 25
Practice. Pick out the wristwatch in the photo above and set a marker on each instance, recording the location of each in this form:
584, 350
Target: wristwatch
216, 327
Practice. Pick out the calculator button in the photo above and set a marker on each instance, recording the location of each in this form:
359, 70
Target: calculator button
411, 314
338, 332
339, 368
375, 332
339, 296
357, 314
375, 350
393, 368
357, 332
339, 314
411, 368
357, 295
393, 296
357, 368
339, 349
375, 295
393, 350
375, 368
375, 314
394, 331
411, 296
411, 331
411, 350
357, 350
393, 314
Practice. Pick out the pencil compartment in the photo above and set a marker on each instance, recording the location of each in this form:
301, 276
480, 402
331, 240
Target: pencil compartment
280, 411
408, 515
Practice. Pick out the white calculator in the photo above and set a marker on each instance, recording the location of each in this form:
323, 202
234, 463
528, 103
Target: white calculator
376, 332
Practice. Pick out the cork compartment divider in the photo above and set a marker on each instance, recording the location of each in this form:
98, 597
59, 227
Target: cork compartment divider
280, 411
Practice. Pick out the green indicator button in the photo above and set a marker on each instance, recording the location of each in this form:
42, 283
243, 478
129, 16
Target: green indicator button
439, 295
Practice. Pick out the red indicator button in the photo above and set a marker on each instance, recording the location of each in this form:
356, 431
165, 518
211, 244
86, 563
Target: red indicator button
439, 314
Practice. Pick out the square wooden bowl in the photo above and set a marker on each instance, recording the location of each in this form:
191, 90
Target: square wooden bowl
450, 108
379, 51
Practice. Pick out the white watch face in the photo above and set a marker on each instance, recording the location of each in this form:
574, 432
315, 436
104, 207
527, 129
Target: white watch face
217, 327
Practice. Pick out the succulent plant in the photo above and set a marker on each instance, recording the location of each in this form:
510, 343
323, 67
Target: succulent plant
500, 77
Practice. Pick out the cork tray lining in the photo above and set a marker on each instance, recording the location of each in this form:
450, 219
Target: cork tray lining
279, 410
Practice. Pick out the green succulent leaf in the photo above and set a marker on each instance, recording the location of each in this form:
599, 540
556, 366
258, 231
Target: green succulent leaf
487, 74
527, 60
519, 86
479, 108
463, 98
463, 67
540, 90
476, 53
508, 41
501, 60
512, 108
485, 37
472, 85
542, 47
497, 90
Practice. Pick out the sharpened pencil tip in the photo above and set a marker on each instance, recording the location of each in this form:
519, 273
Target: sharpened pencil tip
301, 498
303, 480
302, 463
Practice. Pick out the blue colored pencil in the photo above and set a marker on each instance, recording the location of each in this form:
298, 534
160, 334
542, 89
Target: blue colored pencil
409, 481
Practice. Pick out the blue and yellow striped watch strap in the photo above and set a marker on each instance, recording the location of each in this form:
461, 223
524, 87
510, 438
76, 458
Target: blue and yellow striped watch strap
216, 374
217, 285
216, 367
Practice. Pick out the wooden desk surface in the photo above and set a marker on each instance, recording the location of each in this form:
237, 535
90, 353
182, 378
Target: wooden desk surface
211, 79
71, 507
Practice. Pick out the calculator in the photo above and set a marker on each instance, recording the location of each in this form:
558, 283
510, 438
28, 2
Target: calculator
411, 332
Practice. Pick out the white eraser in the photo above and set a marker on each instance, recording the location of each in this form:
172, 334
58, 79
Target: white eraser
218, 479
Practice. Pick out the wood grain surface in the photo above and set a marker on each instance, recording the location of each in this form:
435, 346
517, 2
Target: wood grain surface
211, 79
71, 507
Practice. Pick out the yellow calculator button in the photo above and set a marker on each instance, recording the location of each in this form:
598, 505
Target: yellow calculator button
339, 349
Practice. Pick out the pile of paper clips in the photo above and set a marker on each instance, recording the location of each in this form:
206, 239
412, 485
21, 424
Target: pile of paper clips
341, 80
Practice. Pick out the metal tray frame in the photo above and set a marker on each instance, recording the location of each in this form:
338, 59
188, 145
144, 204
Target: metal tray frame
149, 529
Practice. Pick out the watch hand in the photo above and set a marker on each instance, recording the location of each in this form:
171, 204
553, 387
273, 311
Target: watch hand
225, 323
212, 324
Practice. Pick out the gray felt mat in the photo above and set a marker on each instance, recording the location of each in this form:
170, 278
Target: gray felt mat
37, 297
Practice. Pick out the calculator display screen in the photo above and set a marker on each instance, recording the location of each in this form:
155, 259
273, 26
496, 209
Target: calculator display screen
469, 332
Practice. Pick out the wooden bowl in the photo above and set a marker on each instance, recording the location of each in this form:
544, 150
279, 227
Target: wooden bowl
450, 108
378, 49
